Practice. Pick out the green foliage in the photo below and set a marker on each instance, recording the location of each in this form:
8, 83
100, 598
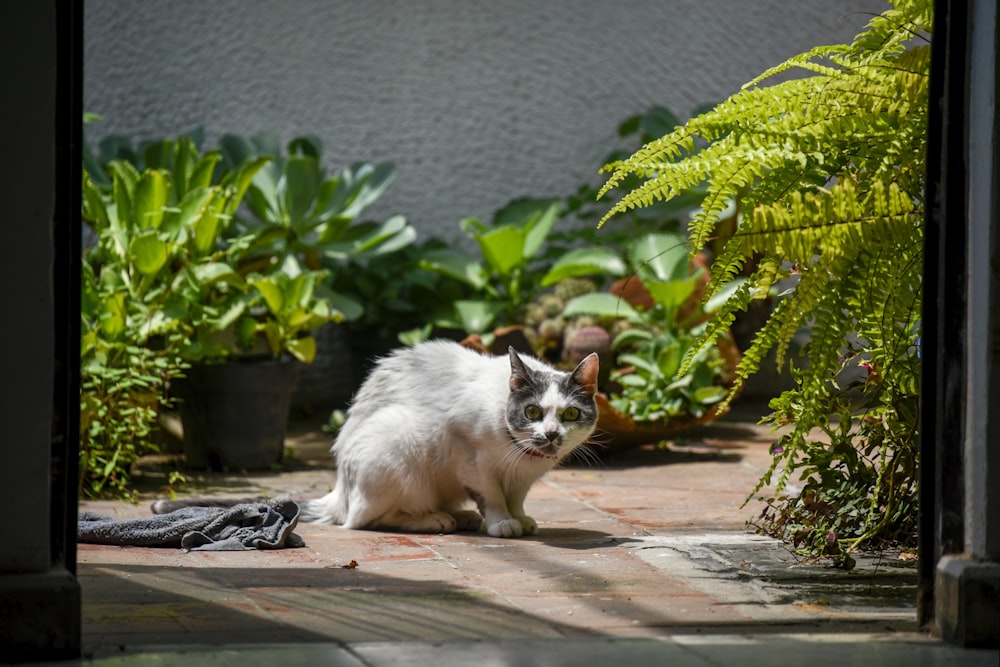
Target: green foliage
121, 383
651, 349
651, 389
296, 209
150, 227
172, 226
827, 174
164, 285
401, 300
507, 274
591, 203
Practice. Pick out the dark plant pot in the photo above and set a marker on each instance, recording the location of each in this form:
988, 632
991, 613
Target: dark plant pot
329, 381
367, 347
235, 415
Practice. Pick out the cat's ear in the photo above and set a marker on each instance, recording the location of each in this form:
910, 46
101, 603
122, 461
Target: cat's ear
585, 374
520, 377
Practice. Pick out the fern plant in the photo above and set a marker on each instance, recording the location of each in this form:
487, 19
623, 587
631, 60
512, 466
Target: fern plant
827, 173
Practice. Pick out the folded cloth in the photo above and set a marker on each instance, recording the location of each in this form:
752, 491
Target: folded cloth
265, 524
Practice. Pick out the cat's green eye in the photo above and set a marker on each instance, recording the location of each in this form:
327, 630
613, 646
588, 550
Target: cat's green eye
570, 414
533, 412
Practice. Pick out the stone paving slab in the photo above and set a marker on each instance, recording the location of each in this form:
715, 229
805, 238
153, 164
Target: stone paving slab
645, 544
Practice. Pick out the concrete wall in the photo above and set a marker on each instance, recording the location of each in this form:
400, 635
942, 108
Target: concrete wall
476, 102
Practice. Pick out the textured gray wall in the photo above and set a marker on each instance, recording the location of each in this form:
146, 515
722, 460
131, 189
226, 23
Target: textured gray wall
476, 102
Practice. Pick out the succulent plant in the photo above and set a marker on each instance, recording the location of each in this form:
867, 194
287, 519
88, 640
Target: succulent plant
570, 288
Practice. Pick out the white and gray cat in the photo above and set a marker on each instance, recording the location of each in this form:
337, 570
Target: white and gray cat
438, 424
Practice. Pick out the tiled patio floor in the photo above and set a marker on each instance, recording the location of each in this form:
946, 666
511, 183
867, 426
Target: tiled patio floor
649, 544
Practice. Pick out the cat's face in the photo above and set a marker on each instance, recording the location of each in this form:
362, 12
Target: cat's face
550, 412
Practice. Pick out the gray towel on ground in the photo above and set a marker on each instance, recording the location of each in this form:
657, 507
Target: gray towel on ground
265, 524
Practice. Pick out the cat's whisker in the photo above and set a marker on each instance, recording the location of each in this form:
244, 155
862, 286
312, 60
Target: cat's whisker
508, 463
587, 454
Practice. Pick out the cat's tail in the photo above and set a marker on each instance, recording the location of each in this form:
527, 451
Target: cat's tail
331, 508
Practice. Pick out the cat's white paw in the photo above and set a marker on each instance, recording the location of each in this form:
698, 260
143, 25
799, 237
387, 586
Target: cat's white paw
528, 525
505, 528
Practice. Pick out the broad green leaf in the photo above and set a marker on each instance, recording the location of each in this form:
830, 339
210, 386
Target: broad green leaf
375, 239
455, 264
671, 295
190, 210
148, 252
150, 198
306, 145
331, 198
230, 317
632, 380
239, 181
502, 248
630, 337
665, 256
299, 183
476, 316
415, 336
585, 262
273, 295
208, 227
299, 290
601, 304
215, 272
405, 237
669, 360
640, 363
245, 330
272, 331
472, 226
184, 158
680, 383
303, 349
538, 229
113, 316
348, 308
235, 150
262, 197
122, 189
368, 182
94, 209
709, 395
201, 172
157, 154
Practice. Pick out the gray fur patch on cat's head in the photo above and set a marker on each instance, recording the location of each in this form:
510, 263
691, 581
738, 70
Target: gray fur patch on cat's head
525, 377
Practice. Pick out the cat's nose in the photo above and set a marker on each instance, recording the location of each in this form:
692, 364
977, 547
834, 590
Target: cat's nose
552, 436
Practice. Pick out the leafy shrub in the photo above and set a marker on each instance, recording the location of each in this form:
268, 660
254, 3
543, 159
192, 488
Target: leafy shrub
827, 172
661, 331
506, 275
156, 233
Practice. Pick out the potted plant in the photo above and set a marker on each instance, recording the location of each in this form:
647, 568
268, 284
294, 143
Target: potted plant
506, 276
661, 382
294, 210
169, 228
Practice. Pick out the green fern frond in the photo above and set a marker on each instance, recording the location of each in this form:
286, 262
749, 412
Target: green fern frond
827, 172
804, 61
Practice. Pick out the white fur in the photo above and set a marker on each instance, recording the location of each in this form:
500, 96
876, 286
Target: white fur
428, 426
